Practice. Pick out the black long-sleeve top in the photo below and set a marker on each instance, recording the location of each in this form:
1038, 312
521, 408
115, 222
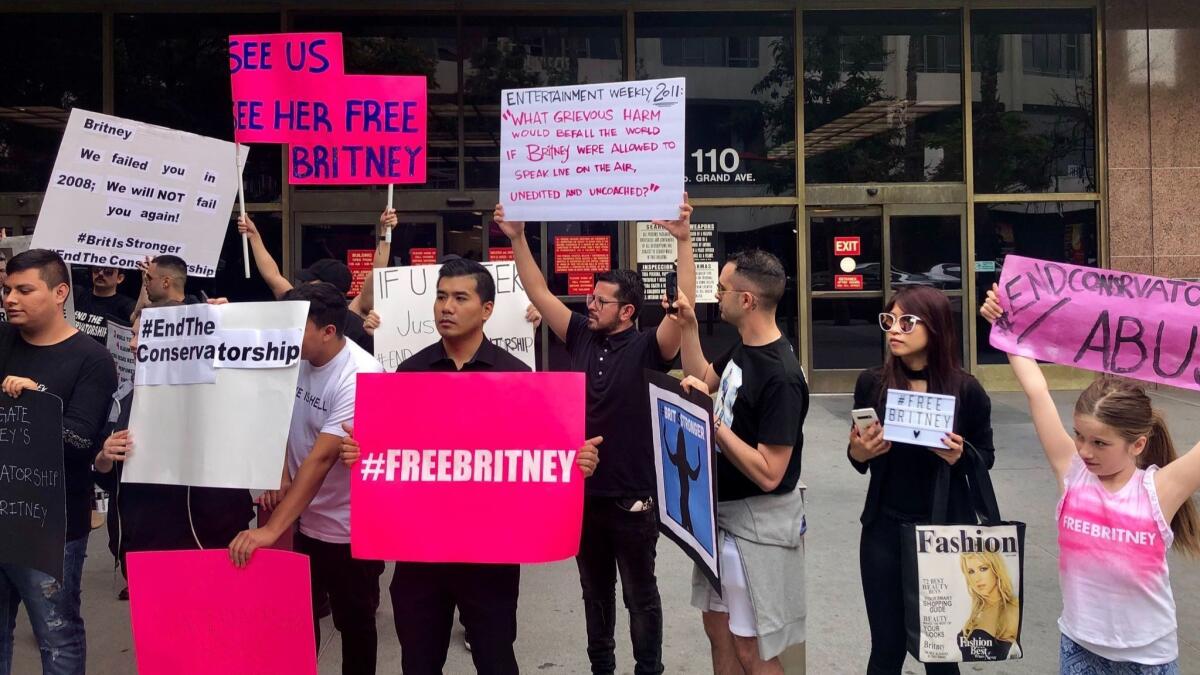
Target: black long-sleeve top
902, 479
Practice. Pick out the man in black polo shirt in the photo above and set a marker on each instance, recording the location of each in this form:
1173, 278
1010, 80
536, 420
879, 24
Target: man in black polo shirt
620, 527
424, 595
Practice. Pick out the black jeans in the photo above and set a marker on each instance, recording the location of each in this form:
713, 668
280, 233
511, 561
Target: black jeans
353, 589
617, 540
879, 565
424, 596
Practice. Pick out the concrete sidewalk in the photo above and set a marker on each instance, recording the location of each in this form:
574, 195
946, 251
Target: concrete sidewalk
552, 637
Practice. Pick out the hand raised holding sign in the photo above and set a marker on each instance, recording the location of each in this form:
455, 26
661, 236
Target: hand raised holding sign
991, 309
388, 219
511, 228
680, 228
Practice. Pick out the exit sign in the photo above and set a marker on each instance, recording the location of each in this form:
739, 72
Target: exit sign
847, 245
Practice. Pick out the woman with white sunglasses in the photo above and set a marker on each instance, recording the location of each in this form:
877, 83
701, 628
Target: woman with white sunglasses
922, 356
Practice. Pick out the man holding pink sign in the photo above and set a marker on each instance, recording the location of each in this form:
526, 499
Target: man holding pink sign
499, 503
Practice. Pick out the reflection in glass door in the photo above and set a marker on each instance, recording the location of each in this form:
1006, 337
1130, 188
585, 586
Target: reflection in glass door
846, 287
858, 258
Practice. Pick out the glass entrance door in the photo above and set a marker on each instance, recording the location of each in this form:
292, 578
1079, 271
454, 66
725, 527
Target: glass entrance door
858, 257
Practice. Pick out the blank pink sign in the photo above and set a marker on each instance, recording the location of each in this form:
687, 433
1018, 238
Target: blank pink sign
467, 467
194, 613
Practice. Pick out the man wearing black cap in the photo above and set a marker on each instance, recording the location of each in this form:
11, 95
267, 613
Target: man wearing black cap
327, 270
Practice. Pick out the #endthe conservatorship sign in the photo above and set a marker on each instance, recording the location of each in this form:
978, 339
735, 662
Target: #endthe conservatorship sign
122, 190
213, 396
404, 299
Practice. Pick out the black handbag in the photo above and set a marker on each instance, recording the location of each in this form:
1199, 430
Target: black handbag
963, 582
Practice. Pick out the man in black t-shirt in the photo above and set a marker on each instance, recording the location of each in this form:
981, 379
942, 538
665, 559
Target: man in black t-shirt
95, 307
758, 417
40, 351
620, 525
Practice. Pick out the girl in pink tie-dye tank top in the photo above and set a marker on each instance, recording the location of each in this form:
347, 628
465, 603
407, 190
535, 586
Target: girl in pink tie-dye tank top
1126, 500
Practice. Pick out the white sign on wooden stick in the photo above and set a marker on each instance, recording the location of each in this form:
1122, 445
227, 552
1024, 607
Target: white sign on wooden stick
122, 190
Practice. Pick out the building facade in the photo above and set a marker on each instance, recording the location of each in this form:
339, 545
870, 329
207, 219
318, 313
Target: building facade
870, 144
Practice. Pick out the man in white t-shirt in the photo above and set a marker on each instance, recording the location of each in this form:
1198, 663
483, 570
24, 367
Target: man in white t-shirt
315, 488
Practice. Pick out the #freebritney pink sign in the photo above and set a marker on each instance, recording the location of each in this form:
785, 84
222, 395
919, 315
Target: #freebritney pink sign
467, 467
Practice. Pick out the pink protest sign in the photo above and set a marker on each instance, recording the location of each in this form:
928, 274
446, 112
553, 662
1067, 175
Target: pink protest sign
343, 129
194, 613
1127, 324
467, 467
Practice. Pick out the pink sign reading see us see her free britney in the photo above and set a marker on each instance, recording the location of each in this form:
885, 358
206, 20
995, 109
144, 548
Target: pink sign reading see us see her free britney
341, 129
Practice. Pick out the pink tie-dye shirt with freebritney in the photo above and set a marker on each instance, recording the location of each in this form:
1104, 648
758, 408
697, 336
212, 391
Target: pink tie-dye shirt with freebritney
1112, 562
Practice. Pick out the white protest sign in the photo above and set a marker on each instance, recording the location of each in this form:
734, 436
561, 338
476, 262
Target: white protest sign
657, 252
122, 190
404, 301
231, 432
186, 345
917, 418
593, 151
118, 346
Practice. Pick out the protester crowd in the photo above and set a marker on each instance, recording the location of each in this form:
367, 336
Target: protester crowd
1116, 464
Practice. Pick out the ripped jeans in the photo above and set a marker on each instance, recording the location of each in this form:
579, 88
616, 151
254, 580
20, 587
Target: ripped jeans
53, 609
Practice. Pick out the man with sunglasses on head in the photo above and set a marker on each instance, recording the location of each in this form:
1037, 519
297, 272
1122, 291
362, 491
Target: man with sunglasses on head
95, 307
620, 525
758, 420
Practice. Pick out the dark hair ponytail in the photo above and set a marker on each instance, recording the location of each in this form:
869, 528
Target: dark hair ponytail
1124, 405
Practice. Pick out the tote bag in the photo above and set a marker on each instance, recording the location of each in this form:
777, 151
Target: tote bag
963, 583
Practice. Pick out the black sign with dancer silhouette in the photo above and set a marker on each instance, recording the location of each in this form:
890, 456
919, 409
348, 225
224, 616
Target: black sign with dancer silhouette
687, 485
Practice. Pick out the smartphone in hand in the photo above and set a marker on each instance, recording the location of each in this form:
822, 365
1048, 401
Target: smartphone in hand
864, 418
672, 291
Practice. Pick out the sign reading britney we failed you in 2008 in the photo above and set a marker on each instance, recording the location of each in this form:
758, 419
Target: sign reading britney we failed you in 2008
122, 190
593, 151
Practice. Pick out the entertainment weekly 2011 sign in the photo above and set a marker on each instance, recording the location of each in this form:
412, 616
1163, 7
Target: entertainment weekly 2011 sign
1122, 323
502, 489
341, 129
123, 190
404, 301
213, 396
593, 151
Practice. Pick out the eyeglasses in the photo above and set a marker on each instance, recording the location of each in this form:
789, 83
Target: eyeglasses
595, 299
907, 322
722, 291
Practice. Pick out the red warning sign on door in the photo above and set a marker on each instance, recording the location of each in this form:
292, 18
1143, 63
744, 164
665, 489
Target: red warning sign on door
847, 282
847, 245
